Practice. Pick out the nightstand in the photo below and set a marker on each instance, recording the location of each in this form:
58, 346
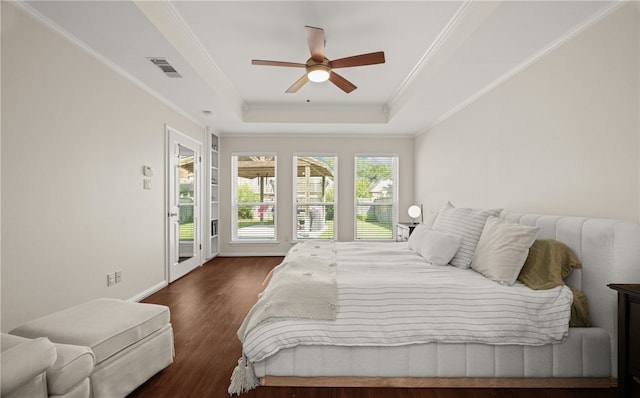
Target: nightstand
628, 342
404, 230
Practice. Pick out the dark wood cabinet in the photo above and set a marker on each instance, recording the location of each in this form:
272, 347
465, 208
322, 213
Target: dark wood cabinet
628, 339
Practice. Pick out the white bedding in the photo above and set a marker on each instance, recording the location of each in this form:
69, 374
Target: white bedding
390, 296
300, 287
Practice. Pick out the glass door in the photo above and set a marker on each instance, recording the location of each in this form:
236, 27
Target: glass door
183, 192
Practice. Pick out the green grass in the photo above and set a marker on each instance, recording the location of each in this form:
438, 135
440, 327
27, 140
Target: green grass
250, 223
186, 231
328, 234
373, 230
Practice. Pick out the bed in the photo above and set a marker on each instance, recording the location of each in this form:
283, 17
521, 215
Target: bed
586, 357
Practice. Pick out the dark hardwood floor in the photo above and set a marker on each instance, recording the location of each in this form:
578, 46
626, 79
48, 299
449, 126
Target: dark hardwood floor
207, 307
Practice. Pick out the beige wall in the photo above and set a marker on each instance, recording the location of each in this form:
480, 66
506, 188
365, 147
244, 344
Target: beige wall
561, 137
285, 148
75, 136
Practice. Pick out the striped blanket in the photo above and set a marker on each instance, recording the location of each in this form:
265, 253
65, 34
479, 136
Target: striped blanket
389, 296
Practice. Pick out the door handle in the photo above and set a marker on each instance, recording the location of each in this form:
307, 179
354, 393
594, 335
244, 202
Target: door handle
173, 214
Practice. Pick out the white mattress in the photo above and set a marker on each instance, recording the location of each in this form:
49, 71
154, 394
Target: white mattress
585, 353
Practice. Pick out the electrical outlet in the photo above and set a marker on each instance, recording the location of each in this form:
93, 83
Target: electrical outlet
111, 278
118, 276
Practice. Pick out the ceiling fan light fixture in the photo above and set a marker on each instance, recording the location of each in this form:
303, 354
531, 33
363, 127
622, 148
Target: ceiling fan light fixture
318, 73
319, 68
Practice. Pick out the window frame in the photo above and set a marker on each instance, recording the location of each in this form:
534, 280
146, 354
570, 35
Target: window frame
394, 202
235, 204
294, 221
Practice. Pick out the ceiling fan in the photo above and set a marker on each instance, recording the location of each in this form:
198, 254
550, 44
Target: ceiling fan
319, 68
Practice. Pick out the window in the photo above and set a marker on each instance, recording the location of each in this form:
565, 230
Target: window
254, 197
376, 196
315, 194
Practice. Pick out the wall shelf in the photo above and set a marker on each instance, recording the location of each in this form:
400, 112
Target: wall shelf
213, 194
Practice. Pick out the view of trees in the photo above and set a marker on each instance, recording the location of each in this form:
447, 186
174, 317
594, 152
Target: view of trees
314, 209
369, 174
374, 197
246, 195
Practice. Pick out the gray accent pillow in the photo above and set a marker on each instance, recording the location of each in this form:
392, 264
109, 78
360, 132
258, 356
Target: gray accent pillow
466, 223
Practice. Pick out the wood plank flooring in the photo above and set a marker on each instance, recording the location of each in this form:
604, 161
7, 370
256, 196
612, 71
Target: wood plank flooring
207, 307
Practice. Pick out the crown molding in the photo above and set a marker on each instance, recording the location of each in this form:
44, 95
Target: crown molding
166, 18
320, 135
529, 61
321, 114
442, 37
100, 58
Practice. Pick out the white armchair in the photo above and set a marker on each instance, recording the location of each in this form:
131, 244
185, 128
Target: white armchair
24, 363
38, 368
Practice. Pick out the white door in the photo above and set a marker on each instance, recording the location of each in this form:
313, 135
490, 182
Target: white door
183, 204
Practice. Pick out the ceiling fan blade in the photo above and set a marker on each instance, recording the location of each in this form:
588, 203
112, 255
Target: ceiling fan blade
298, 84
342, 83
277, 63
359, 60
315, 39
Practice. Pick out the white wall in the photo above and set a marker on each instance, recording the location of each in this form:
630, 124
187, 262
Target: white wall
75, 136
561, 137
285, 147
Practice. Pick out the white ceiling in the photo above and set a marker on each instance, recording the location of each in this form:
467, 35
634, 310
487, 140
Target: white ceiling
440, 56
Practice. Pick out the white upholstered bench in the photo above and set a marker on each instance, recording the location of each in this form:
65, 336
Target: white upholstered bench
131, 341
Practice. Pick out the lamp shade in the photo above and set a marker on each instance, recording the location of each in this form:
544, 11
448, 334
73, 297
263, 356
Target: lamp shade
414, 211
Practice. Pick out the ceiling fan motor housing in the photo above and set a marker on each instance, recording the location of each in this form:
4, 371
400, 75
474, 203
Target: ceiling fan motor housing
318, 71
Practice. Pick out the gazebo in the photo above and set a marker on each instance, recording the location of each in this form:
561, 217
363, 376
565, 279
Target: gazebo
263, 167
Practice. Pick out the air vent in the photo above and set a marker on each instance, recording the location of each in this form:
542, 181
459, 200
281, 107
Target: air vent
165, 66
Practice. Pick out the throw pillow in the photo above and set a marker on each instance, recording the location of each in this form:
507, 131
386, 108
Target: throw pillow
415, 240
502, 250
548, 264
438, 248
579, 310
466, 223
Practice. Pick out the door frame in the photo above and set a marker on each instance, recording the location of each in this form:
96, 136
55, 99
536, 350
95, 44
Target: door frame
172, 136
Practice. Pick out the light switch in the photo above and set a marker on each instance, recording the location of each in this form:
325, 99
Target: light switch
147, 184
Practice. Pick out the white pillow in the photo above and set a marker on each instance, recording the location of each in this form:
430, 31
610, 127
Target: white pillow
415, 238
502, 250
438, 248
465, 223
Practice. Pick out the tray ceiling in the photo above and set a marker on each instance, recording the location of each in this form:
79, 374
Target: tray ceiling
440, 56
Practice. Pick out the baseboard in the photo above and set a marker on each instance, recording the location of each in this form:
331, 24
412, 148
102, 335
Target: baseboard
440, 382
253, 254
148, 292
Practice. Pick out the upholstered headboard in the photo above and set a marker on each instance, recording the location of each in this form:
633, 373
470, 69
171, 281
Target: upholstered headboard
610, 253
